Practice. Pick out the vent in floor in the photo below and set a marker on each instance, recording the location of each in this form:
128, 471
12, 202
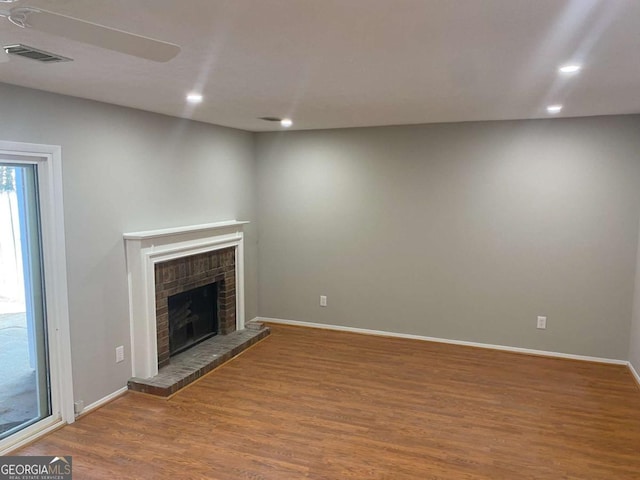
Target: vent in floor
35, 54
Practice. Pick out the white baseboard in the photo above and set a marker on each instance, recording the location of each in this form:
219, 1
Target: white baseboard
366, 331
634, 372
103, 401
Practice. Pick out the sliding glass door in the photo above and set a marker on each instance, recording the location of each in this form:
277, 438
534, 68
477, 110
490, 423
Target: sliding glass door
25, 393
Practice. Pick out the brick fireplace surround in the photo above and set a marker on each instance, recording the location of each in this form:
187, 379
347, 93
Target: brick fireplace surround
186, 273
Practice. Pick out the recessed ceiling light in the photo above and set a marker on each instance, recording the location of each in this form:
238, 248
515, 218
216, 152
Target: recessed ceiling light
553, 109
286, 122
571, 68
194, 98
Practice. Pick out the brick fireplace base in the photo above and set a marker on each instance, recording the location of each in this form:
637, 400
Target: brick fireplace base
188, 366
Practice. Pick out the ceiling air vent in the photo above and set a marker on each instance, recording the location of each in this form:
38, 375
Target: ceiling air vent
35, 54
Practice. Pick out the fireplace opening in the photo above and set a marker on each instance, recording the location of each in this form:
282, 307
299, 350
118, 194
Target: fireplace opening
193, 317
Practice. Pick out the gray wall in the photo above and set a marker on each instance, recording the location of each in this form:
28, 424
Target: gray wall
127, 170
634, 343
460, 231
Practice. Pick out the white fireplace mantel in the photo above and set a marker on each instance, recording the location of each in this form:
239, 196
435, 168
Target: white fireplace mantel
143, 251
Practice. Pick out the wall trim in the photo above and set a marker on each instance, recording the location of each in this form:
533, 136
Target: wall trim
634, 372
103, 401
382, 333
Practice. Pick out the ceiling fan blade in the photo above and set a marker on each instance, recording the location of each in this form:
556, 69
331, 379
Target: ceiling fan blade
94, 34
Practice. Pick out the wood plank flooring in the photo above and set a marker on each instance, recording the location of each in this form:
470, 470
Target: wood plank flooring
318, 404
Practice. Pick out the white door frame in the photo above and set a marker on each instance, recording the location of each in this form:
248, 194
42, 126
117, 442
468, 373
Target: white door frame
48, 159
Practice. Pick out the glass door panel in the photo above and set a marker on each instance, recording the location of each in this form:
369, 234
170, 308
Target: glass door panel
24, 376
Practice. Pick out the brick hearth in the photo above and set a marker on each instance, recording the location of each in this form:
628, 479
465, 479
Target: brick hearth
190, 365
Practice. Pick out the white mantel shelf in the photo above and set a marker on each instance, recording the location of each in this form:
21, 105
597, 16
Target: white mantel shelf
165, 232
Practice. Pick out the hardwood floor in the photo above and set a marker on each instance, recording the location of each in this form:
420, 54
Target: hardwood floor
319, 404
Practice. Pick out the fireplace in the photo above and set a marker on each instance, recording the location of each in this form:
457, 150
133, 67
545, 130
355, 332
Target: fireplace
199, 292
169, 262
193, 317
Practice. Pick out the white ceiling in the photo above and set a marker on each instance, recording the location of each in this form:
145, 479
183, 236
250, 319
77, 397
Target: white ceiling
347, 63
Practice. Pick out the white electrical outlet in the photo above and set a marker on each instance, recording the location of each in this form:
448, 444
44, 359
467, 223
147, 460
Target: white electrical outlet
323, 300
120, 354
542, 323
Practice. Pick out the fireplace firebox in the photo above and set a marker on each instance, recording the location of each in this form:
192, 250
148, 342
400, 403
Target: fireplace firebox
193, 317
